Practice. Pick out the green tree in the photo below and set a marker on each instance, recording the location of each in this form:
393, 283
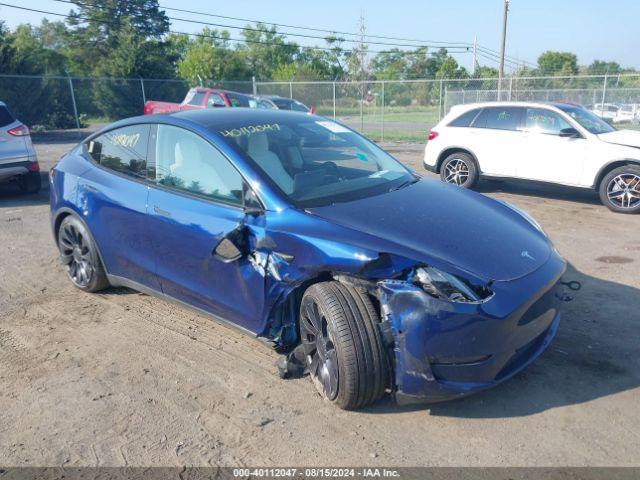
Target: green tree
598, 67
557, 63
97, 24
210, 57
266, 50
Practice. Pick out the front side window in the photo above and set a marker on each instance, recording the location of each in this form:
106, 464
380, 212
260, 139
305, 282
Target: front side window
238, 100
188, 163
215, 100
316, 162
499, 118
123, 150
540, 120
586, 119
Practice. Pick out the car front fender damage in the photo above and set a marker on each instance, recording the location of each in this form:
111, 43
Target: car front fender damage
384, 276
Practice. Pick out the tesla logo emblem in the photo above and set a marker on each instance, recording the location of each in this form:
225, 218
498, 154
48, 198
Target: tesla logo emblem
526, 254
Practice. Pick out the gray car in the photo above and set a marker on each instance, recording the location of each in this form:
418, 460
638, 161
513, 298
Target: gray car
18, 161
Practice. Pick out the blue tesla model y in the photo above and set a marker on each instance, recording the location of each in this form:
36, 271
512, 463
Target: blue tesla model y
298, 230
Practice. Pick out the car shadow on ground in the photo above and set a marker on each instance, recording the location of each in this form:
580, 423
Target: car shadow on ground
11, 196
541, 190
593, 355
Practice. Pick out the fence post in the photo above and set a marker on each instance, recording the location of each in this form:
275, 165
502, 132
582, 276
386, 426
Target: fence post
604, 95
334, 100
144, 97
361, 106
510, 87
440, 107
290, 89
382, 112
253, 84
73, 100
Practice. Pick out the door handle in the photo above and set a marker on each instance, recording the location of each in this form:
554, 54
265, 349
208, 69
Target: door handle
161, 212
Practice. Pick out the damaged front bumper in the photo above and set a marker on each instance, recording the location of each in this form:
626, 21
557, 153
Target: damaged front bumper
445, 350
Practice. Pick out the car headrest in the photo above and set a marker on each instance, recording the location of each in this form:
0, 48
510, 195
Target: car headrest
258, 143
186, 148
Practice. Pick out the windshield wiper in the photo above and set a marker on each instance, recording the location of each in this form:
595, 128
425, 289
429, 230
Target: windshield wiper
405, 184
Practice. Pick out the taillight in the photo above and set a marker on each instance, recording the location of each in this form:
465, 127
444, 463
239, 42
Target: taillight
34, 166
19, 131
432, 134
312, 109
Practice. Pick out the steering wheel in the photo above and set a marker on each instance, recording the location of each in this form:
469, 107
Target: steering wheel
333, 168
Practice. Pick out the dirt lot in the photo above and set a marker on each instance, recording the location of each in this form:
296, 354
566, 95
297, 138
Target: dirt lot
121, 378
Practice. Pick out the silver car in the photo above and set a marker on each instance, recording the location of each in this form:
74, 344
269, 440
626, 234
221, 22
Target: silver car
18, 161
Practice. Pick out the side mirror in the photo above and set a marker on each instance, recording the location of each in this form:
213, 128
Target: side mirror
570, 133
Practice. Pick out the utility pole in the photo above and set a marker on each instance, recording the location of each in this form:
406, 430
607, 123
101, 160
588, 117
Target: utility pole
475, 55
505, 13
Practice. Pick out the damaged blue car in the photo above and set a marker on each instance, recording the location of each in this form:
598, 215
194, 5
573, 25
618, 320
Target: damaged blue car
302, 232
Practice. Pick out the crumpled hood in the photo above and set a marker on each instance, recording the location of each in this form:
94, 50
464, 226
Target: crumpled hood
629, 138
431, 219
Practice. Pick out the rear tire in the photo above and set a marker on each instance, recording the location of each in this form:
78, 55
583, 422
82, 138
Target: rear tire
30, 183
459, 169
620, 189
80, 257
343, 348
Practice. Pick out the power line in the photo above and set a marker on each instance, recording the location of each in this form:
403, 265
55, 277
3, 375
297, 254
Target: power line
251, 29
202, 35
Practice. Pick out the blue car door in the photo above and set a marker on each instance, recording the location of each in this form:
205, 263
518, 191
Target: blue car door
112, 196
196, 209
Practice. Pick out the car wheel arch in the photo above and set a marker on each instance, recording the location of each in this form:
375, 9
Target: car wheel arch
611, 166
450, 151
67, 212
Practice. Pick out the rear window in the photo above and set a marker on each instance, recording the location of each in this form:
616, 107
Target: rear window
197, 98
465, 119
499, 118
5, 116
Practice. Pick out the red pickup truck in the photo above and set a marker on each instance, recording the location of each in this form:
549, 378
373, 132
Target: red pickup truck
201, 98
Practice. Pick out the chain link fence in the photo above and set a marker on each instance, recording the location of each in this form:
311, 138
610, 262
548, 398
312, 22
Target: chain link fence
382, 110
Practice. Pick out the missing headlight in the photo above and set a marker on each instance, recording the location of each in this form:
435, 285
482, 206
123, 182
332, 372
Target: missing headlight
449, 287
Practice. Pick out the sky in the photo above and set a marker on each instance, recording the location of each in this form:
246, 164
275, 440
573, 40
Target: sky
591, 29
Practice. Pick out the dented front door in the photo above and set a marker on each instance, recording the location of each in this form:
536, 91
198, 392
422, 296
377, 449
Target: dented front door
185, 232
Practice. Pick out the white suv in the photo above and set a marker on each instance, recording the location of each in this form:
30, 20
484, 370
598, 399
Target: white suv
557, 143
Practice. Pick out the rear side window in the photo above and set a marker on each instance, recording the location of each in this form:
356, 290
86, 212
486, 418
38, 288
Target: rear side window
5, 116
499, 118
465, 119
123, 150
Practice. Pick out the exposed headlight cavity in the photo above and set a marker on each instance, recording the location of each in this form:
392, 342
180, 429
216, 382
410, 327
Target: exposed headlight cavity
446, 286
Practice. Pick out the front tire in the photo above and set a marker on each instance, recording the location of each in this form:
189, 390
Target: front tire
459, 169
80, 257
620, 189
345, 355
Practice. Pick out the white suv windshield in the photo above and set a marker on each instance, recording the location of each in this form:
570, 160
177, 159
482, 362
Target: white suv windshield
317, 162
587, 119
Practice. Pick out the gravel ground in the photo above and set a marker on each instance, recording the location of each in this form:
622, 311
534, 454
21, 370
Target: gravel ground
121, 378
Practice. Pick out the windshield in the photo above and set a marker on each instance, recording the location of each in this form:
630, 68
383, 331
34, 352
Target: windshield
586, 119
317, 162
